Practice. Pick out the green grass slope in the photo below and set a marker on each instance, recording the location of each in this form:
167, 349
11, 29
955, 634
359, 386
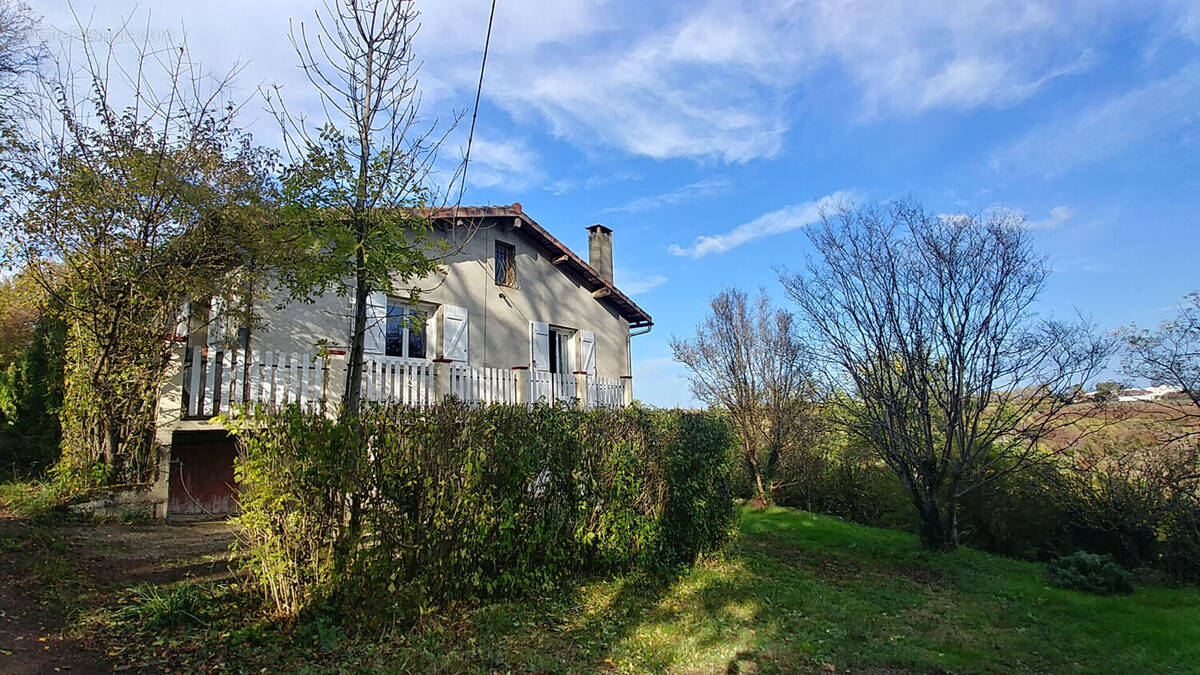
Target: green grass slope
804, 592
797, 593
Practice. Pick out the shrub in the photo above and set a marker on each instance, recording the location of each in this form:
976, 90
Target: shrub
1020, 515
837, 476
31, 395
394, 507
1090, 572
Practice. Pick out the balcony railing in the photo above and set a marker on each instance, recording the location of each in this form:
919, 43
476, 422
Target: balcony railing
214, 380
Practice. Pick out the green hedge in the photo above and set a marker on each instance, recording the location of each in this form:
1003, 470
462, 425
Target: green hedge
398, 508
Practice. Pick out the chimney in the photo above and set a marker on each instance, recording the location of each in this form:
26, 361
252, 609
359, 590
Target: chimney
600, 250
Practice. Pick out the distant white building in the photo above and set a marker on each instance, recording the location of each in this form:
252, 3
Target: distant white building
1148, 394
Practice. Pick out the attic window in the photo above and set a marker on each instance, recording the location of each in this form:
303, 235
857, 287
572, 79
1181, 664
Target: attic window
506, 264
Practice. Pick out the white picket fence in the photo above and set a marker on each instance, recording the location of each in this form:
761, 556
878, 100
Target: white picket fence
547, 387
391, 379
605, 392
484, 385
217, 379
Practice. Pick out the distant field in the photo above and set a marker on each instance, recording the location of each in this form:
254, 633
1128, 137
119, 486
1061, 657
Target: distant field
1128, 426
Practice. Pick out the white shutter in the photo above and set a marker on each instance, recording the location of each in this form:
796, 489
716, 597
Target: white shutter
455, 346
184, 322
587, 348
375, 336
539, 345
216, 321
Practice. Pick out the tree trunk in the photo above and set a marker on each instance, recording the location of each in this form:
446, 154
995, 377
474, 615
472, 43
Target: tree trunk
355, 367
939, 523
752, 458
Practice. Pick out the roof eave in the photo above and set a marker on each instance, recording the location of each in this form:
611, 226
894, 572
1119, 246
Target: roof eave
593, 281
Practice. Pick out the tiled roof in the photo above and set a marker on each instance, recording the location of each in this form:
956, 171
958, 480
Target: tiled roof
635, 315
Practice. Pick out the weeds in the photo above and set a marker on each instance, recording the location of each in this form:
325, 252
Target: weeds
39, 501
156, 608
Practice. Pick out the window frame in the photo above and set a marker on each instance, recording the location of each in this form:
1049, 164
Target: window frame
510, 278
407, 309
562, 354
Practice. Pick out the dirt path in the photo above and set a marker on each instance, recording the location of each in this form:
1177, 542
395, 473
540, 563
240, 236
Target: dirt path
50, 575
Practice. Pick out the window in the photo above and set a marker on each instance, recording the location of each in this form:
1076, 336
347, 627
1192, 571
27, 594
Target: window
506, 264
405, 330
560, 352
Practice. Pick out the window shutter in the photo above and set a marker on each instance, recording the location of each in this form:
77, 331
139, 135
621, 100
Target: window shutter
375, 336
587, 348
183, 324
539, 345
216, 321
455, 346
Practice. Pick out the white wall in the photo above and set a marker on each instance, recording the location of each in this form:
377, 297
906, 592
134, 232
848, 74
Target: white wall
499, 316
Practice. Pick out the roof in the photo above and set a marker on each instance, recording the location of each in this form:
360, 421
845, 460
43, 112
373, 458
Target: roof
570, 263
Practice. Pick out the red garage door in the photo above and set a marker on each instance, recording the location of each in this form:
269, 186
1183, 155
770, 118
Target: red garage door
202, 481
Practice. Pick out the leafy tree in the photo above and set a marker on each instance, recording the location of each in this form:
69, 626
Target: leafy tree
139, 192
924, 331
747, 358
32, 339
1108, 390
358, 185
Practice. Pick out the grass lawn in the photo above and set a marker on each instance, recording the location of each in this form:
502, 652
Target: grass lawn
798, 593
805, 592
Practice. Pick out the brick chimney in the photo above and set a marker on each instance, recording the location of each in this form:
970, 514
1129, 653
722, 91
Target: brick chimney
600, 250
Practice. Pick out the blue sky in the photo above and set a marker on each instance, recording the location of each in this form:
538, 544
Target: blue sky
705, 133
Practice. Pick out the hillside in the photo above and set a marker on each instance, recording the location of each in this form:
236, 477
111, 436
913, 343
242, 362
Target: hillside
1126, 426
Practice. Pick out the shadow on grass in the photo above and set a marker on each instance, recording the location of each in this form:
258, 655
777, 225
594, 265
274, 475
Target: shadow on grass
711, 618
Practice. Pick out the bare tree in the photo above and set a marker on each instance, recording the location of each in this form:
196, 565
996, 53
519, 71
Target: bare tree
360, 183
1170, 355
19, 57
925, 332
19, 51
747, 358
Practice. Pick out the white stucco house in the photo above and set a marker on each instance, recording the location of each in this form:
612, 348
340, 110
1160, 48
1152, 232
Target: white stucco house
512, 316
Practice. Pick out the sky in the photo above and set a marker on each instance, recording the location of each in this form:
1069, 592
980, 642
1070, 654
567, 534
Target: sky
707, 135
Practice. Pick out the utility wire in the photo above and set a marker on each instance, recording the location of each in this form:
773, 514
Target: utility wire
475, 114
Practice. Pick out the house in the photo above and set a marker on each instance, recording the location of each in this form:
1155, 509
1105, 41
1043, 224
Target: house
1153, 393
513, 316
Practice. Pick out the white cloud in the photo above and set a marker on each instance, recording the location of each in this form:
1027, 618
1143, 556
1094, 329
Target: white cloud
564, 185
635, 283
776, 222
1058, 216
701, 188
1189, 22
712, 80
507, 164
911, 57
1110, 128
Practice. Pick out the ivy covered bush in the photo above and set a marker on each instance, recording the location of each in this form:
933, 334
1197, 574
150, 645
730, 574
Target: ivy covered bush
397, 508
1090, 572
